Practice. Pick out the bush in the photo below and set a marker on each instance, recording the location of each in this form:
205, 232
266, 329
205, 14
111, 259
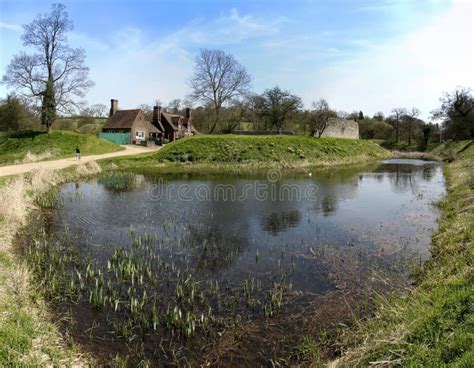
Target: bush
374, 129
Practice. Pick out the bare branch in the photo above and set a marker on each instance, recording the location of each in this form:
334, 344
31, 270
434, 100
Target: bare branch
218, 79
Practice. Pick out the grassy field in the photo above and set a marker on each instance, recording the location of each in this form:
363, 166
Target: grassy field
32, 146
234, 152
432, 326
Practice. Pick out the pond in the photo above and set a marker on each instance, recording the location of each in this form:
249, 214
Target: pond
231, 270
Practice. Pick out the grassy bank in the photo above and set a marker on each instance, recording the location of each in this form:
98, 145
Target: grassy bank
30, 146
28, 338
433, 325
223, 153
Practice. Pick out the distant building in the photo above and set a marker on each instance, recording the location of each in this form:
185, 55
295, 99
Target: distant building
342, 128
131, 126
176, 126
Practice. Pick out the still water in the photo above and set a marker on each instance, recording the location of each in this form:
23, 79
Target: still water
250, 245
388, 210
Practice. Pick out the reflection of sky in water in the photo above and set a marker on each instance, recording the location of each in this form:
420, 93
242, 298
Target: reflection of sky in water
379, 210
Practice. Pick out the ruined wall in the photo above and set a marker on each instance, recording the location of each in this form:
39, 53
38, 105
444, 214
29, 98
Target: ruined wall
342, 128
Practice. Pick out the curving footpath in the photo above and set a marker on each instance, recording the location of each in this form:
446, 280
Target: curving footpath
70, 161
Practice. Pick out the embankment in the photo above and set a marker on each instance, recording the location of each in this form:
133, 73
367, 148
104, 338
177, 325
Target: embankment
229, 153
32, 146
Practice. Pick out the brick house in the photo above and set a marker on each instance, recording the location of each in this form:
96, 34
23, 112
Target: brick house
130, 127
175, 126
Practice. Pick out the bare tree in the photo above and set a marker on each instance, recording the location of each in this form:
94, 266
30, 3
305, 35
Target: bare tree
410, 116
147, 110
234, 114
218, 78
159, 102
99, 110
397, 114
319, 117
278, 105
55, 76
343, 114
175, 105
255, 106
379, 116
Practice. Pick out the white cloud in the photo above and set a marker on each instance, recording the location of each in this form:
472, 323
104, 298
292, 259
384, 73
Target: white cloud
412, 70
11, 27
230, 28
135, 72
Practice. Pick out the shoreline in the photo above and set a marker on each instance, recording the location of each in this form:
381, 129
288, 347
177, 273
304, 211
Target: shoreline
36, 183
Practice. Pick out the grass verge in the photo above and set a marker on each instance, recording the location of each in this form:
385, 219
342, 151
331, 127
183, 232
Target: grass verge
30, 146
28, 338
433, 325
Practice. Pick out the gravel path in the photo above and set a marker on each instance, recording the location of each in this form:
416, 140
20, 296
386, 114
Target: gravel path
65, 162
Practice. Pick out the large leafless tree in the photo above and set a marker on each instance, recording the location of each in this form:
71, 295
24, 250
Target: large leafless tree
55, 76
218, 78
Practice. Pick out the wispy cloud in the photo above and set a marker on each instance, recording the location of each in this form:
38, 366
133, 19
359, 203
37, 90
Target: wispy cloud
229, 28
11, 27
143, 71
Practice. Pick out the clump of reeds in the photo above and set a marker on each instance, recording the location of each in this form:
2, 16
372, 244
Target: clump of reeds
42, 179
13, 202
88, 168
31, 157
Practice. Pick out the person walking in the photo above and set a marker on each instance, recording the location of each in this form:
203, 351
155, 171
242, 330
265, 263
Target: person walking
78, 153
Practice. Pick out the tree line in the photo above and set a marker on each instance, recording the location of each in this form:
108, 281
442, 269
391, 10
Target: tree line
52, 81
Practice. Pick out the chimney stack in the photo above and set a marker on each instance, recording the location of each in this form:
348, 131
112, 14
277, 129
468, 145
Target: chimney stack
113, 107
188, 112
156, 114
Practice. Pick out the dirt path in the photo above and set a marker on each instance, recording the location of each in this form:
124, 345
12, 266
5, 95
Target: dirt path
70, 161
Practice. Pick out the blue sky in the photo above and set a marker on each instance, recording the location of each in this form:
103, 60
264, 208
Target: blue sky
360, 55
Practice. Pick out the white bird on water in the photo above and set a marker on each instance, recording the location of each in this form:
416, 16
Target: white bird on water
310, 174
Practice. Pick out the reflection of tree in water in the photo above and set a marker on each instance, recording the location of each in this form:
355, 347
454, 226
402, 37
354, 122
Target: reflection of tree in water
281, 221
214, 249
217, 234
329, 196
428, 173
405, 177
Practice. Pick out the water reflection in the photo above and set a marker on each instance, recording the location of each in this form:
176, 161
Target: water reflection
217, 264
388, 207
281, 221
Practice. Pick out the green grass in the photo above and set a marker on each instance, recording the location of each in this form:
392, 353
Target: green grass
60, 144
433, 325
91, 128
400, 146
226, 152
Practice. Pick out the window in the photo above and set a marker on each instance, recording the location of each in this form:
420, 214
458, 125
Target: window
139, 135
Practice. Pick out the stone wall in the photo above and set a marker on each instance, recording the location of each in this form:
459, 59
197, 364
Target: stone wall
342, 128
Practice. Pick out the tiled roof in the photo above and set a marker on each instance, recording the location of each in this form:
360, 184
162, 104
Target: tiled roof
122, 119
171, 119
151, 128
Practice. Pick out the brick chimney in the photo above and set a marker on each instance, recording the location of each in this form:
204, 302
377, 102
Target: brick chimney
113, 107
188, 113
156, 114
